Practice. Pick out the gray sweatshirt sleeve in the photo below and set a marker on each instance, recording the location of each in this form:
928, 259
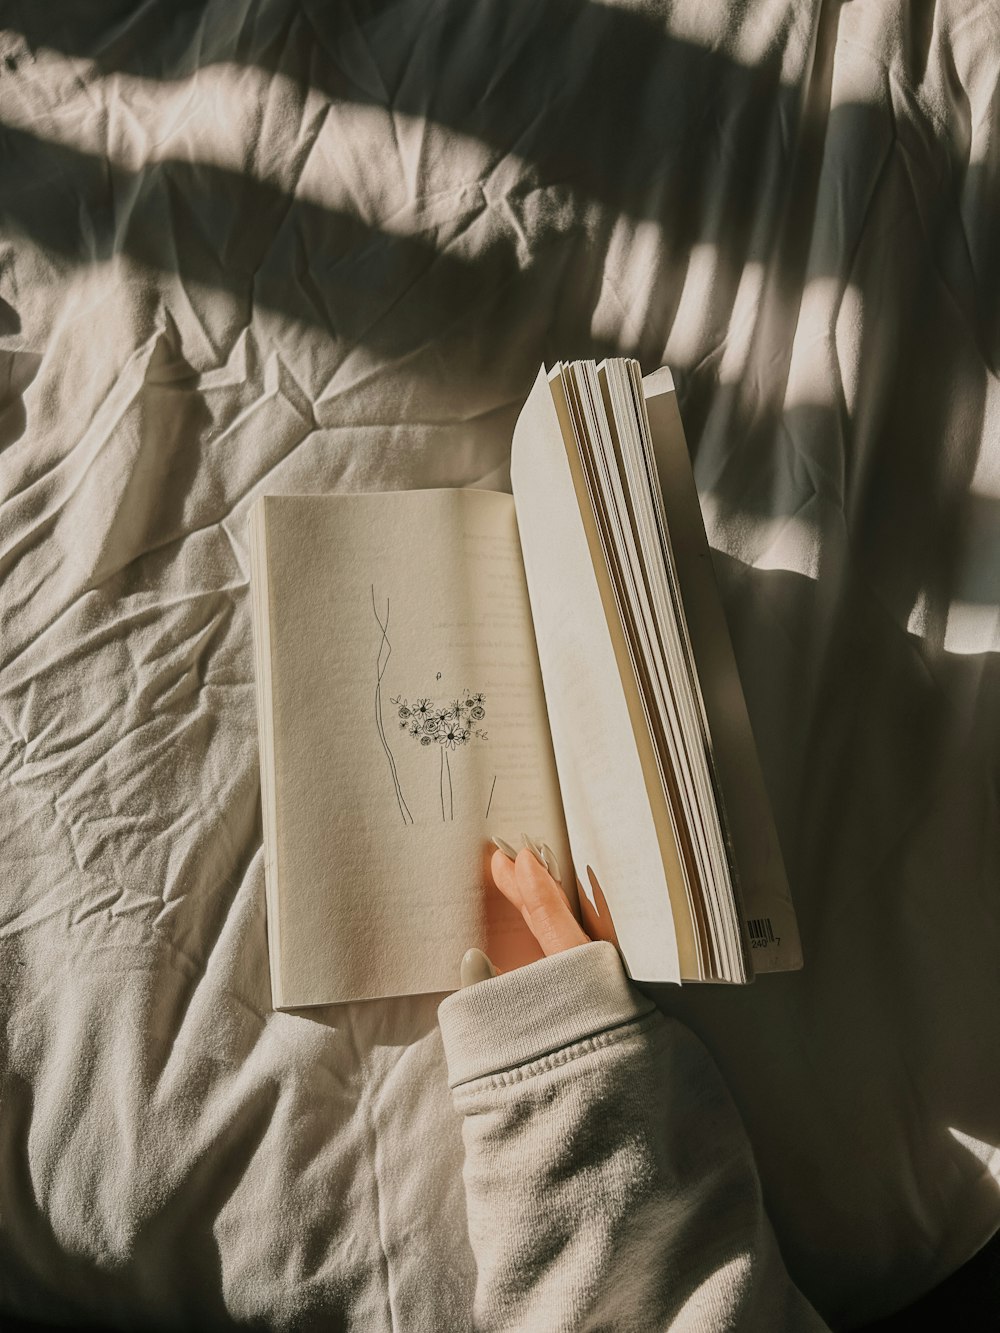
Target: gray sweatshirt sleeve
609, 1180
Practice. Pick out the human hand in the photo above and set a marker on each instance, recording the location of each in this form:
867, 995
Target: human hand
529, 880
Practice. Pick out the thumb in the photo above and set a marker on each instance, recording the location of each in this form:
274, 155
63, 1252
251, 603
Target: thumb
476, 967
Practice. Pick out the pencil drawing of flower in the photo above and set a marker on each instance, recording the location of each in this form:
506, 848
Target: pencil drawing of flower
448, 727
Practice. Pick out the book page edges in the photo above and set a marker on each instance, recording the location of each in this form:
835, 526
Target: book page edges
260, 607
763, 885
687, 952
570, 628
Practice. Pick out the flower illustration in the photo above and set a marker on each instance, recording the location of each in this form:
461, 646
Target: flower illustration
446, 725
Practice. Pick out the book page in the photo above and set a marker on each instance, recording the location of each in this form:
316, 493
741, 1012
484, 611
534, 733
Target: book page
620, 857
769, 915
409, 725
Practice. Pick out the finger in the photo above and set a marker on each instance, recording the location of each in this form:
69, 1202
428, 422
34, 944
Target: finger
547, 856
545, 908
502, 868
552, 866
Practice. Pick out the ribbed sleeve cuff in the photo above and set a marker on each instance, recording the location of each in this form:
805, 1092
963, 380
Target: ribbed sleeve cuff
521, 1015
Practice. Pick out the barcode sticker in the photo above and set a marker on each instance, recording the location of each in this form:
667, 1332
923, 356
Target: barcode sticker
761, 932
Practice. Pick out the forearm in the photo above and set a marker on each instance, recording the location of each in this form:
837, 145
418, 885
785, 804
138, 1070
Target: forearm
609, 1180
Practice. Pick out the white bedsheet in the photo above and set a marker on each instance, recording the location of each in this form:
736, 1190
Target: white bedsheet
326, 247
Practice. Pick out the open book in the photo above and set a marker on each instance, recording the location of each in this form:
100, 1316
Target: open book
437, 666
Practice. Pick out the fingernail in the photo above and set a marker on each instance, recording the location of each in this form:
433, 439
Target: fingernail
533, 847
551, 864
476, 966
505, 847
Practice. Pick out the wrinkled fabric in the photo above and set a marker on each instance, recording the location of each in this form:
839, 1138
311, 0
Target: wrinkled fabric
324, 248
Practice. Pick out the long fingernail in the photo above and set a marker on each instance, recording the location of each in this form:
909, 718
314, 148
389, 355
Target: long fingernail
476, 966
533, 847
505, 847
551, 864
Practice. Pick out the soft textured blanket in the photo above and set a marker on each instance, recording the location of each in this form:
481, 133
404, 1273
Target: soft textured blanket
265, 247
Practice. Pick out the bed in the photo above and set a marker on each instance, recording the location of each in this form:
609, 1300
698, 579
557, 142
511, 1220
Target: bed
307, 248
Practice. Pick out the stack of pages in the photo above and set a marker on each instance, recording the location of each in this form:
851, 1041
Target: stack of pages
434, 667
603, 407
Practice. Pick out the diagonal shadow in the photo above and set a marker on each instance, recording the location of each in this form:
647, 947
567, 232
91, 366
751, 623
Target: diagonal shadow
563, 84
553, 81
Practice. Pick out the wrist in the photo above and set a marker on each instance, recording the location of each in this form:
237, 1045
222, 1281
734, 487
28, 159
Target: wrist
521, 1015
